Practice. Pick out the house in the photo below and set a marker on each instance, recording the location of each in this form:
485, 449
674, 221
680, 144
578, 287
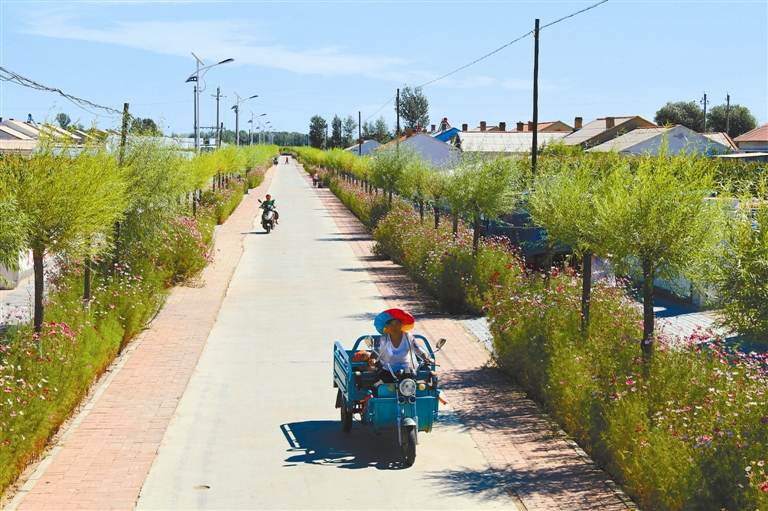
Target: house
604, 129
441, 155
25, 128
721, 138
7, 133
368, 146
502, 142
754, 141
647, 140
542, 127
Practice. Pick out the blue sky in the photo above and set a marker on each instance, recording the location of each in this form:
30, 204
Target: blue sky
326, 58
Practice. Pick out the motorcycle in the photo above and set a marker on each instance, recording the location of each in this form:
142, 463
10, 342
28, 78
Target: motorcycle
408, 406
268, 216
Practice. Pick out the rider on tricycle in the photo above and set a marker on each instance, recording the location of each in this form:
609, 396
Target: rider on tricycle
392, 385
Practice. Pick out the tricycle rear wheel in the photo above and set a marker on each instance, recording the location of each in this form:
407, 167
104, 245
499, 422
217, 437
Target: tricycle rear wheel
346, 418
409, 445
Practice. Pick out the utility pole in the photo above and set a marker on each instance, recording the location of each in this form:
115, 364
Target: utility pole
704, 102
197, 132
359, 134
397, 109
218, 133
534, 143
727, 113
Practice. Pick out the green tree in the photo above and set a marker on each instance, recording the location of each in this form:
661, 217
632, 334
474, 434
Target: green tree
381, 131
688, 114
740, 120
12, 226
317, 127
415, 180
387, 168
369, 130
740, 276
69, 201
349, 130
658, 222
146, 127
565, 200
485, 187
436, 189
63, 120
414, 107
336, 135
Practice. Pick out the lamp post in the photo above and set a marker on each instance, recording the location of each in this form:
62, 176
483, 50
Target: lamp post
236, 108
196, 77
253, 116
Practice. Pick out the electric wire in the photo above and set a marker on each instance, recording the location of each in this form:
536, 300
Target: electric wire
379, 110
496, 51
512, 42
7, 75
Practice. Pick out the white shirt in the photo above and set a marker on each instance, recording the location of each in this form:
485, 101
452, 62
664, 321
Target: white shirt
403, 356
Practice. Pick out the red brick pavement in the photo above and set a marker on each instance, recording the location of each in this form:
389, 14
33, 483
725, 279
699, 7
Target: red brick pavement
103, 464
522, 447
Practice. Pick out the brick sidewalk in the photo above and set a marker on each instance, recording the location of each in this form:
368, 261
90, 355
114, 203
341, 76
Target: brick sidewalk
103, 463
522, 447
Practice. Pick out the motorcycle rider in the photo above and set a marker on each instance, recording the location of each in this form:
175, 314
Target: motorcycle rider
270, 202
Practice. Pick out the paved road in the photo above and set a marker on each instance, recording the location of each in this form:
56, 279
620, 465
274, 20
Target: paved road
256, 426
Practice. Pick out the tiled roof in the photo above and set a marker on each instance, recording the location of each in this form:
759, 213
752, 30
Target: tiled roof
759, 134
503, 142
721, 138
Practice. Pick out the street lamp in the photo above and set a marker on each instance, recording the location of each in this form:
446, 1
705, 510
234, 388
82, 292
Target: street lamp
253, 116
196, 77
236, 108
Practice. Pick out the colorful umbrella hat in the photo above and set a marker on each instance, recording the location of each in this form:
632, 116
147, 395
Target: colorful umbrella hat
380, 322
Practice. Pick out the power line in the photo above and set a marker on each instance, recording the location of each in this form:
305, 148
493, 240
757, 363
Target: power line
7, 75
379, 110
495, 51
511, 43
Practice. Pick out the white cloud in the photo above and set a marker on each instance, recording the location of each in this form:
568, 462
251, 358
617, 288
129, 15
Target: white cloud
216, 40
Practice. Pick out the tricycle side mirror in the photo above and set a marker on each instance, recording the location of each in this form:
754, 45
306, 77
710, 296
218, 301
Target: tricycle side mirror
441, 342
369, 342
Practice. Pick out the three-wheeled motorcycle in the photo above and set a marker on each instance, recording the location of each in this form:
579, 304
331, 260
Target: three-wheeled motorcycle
406, 407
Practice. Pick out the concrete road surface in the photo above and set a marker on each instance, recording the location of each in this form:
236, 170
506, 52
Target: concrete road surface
256, 427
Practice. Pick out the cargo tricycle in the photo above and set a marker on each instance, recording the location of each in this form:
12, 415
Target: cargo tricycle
406, 407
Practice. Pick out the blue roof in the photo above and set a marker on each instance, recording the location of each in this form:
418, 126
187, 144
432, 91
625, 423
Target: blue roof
445, 136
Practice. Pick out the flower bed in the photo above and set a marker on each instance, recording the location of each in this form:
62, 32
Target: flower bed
44, 377
689, 432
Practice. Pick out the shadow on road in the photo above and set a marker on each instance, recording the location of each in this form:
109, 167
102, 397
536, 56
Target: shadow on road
323, 443
352, 238
482, 484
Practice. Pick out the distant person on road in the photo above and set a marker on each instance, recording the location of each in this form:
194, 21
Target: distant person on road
314, 179
270, 202
286, 160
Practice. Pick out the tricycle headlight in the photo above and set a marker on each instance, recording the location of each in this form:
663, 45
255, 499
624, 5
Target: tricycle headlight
407, 387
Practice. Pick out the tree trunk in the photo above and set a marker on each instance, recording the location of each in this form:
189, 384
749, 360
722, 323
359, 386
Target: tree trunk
421, 209
87, 284
390, 196
647, 309
586, 290
437, 216
455, 224
37, 258
194, 203
476, 232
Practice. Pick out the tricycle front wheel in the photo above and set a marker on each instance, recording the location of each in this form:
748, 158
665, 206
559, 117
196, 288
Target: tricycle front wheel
409, 445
